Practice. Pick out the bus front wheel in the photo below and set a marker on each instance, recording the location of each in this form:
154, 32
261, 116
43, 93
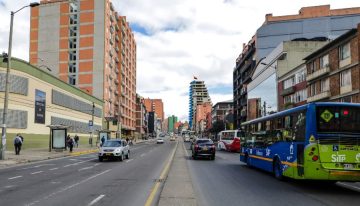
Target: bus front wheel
277, 169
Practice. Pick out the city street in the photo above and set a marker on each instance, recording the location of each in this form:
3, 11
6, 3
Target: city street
227, 181
82, 180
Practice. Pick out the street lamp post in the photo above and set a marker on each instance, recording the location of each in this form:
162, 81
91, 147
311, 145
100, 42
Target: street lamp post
7, 83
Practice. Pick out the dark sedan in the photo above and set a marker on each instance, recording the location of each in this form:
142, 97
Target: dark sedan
203, 148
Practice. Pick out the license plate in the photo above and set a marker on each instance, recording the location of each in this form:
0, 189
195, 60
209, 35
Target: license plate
205, 148
348, 166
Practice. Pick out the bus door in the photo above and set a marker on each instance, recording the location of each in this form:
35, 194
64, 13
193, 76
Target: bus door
300, 159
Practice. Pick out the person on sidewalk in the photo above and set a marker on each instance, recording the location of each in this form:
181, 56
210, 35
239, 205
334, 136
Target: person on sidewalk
17, 144
102, 141
70, 143
76, 138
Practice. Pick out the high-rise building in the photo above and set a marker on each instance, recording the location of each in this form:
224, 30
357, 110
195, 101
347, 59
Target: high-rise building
198, 94
171, 123
155, 105
313, 23
89, 45
200, 116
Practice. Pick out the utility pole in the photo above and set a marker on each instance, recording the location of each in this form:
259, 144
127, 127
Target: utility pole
264, 109
7, 83
92, 126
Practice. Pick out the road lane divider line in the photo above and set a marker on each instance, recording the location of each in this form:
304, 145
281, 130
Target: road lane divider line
85, 168
55, 168
77, 163
34, 173
69, 187
348, 186
142, 155
129, 160
96, 200
11, 178
163, 175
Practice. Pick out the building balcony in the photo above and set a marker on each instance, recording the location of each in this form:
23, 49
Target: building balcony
243, 91
117, 38
116, 81
318, 97
111, 18
117, 59
117, 27
318, 73
111, 41
288, 91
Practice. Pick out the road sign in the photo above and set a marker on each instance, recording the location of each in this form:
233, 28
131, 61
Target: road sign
91, 123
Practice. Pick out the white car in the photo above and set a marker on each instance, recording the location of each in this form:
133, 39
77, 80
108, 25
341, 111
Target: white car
114, 149
160, 141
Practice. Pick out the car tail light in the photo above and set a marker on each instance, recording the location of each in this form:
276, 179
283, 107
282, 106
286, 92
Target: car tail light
212, 146
315, 158
196, 146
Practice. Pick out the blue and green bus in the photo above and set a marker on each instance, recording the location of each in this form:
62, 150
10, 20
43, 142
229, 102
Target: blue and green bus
319, 141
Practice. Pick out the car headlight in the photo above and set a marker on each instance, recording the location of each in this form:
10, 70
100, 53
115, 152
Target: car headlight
117, 150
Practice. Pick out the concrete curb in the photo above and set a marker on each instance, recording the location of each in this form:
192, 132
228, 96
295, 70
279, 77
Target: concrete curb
350, 185
84, 152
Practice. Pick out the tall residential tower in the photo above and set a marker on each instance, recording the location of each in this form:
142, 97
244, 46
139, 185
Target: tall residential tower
198, 94
89, 45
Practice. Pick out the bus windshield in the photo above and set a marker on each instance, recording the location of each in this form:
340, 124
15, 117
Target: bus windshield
331, 119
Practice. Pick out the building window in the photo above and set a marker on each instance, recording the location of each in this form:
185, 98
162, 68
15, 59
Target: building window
313, 89
300, 96
72, 79
312, 67
324, 85
289, 83
324, 61
345, 78
287, 99
300, 76
346, 99
344, 51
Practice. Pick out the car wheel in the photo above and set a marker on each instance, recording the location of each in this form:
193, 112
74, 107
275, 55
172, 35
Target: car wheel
121, 158
212, 157
101, 159
277, 169
128, 155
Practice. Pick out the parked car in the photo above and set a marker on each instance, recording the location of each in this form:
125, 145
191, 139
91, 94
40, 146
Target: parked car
172, 138
203, 148
160, 141
187, 138
114, 149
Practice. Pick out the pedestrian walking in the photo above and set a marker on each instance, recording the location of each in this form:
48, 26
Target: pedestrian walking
76, 138
70, 143
17, 144
102, 140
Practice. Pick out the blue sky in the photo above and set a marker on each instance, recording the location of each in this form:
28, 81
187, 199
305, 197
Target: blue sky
179, 39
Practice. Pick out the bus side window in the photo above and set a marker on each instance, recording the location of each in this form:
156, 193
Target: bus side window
299, 127
288, 130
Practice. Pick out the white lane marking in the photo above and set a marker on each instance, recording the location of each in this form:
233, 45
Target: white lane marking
69, 187
96, 200
77, 163
85, 168
34, 173
74, 159
9, 186
11, 178
352, 187
142, 155
129, 160
55, 168
96, 164
36, 166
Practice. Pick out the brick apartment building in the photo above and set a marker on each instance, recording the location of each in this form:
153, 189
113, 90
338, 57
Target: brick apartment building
89, 45
333, 71
200, 116
309, 23
155, 105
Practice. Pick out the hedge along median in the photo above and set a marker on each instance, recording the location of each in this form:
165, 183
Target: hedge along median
38, 141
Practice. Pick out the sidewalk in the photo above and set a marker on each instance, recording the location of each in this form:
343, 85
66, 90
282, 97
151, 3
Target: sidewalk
178, 188
33, 155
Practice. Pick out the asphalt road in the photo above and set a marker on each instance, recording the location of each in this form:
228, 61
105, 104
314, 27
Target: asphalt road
82, 180
226, 181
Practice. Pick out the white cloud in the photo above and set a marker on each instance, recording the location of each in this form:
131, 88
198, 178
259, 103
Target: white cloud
188, 37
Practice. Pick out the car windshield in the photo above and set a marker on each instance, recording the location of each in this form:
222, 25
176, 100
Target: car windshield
112, 144
204, 141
